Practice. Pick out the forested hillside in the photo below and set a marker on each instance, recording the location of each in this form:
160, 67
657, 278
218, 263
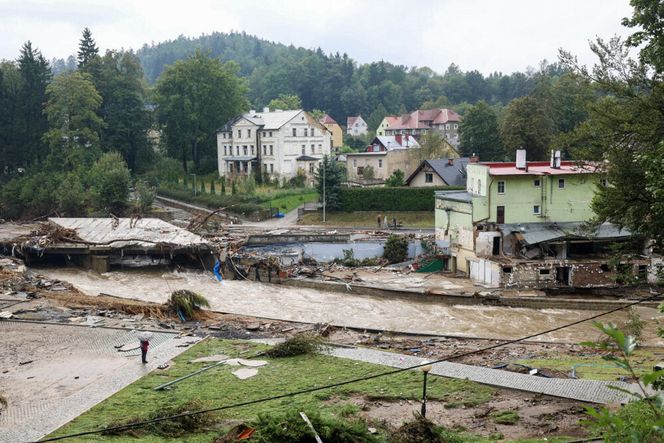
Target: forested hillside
336, 83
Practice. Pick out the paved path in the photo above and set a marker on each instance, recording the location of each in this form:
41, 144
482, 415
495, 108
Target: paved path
591, 391
73, 368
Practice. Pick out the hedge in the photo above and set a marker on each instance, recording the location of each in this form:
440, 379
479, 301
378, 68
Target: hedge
390, 199
241, 205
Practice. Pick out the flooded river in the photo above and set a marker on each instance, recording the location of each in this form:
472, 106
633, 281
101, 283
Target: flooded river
352, 310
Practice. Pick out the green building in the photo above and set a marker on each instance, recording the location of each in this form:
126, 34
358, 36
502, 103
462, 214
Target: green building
524, 224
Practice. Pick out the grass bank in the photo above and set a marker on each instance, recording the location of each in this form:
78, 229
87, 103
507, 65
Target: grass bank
409, 219
218, 387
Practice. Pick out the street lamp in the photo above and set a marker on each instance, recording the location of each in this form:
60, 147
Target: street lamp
425, 370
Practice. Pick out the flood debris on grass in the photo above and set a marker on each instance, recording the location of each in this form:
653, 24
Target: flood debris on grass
176, 427
300, 344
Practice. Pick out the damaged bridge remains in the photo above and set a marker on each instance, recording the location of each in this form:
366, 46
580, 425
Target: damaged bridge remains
100, 243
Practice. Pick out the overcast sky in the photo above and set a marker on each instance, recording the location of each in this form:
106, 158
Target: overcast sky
487, 35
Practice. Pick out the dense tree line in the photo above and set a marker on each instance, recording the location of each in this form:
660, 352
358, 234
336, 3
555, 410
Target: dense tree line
335, 83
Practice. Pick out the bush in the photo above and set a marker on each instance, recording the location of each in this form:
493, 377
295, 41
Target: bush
145, 195
396, 179
396, 249
300, 344
289, 427
110, 180
389, 199
176, 427
187, 302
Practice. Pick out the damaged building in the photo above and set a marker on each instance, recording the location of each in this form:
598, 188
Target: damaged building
525, 225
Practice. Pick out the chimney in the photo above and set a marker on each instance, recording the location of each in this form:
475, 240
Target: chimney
398, 138
450, 162
556, 160
266, 110
474, 158
521, 159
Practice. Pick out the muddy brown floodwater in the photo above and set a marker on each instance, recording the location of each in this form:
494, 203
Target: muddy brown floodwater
350, 310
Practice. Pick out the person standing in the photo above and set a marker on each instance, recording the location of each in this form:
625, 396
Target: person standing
378, 220
144, 351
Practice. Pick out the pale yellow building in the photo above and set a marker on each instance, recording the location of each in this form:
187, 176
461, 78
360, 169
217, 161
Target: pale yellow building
335, 129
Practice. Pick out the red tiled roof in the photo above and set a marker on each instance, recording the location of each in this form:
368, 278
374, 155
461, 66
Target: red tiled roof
327, 120
540, 168
351, 120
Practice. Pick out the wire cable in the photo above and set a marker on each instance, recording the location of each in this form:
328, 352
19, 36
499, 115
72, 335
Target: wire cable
347, 382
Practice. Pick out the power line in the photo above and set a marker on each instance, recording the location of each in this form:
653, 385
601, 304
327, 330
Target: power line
355, 380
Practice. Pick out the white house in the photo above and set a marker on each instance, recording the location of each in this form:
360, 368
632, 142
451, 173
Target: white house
279, 143
356, 126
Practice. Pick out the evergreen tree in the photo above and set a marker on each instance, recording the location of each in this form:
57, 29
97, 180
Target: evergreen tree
328, 182
527, 124
35, 77
88, 53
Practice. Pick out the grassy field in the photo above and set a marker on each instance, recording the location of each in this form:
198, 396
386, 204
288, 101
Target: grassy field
288, 203
414, 219
218, 387
594, 367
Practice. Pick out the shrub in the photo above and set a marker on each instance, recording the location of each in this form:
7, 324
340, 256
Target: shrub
396, 249
396, 179
300, 344
505, 417
110, 178
187, 302
289, 427
176, 427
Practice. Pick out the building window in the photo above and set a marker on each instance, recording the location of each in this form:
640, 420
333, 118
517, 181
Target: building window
320, 148
264, 167
270, 133
271, 168
536, 210
304, 149
428, 177
264, 149
537, 183
313, 149
252, 149
380, 163
561, 183
501, 187
248, 132
223, 135
447, 126
311, 168
224, 149
239, 133
271, 153
603, 182
306, 132
312, 131
230, 167
456, 126
237, 150
244, 149
294, 132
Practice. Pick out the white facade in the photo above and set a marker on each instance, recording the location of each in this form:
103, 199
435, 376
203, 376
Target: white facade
356, 126
279, 143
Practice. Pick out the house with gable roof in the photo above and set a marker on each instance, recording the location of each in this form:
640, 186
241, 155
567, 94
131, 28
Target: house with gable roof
444, 121
277, 143
335, 130
441, 172
356, 126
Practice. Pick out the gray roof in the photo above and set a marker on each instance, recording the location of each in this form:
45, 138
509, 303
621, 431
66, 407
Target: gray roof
533, 233
390, 142
306, 158
453, 175
272, 120
458, 196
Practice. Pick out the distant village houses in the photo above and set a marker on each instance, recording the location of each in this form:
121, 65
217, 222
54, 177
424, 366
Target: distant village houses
524, 225
279, 144
444, 121
356, 126
335, 130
